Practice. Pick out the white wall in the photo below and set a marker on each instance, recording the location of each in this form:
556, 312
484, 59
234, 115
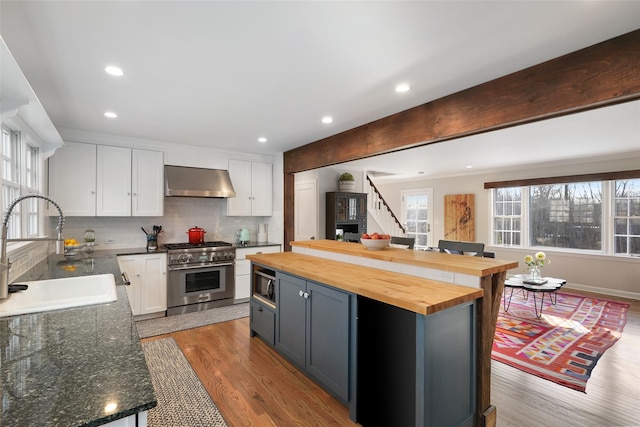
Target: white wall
599, 273
327, 179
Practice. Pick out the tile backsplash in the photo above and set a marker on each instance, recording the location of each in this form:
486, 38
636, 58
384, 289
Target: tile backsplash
25, 257
180, 214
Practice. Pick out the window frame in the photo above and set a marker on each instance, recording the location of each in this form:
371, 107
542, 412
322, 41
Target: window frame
607, 220
27, 150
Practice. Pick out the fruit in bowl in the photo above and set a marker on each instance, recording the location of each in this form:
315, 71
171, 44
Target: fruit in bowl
375, 241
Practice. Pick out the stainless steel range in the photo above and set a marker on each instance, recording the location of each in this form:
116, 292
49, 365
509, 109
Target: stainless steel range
200, 276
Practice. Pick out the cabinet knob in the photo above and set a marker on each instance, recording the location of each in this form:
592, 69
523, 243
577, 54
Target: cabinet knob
260, 308
301, 293
305, 295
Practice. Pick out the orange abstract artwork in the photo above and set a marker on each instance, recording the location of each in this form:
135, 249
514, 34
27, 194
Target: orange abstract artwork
460, 217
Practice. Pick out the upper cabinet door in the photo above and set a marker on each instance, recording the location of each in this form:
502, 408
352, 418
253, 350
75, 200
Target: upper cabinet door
240, 174
147, 179
261, 189
253, 184
114, 181
72, 179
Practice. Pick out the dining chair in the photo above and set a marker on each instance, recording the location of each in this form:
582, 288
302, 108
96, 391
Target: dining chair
461, 248
403, 241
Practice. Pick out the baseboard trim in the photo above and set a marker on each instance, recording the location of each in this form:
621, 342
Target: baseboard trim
605, 291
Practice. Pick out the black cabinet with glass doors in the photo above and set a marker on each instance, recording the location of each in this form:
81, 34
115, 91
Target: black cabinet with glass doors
346, 217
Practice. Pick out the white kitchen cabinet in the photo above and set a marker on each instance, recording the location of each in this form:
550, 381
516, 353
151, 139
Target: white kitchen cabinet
148, 276
99, 180
113, 179
147, 183
72, 179
243, 269
135, 420
253, 184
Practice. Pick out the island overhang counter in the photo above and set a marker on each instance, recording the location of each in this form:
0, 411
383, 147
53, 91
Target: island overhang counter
414, 306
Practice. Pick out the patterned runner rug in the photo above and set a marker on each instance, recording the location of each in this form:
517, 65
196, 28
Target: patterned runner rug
563, 345
182, 399
180, 322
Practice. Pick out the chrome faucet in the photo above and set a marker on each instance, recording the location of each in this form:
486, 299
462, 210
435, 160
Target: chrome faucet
5, 265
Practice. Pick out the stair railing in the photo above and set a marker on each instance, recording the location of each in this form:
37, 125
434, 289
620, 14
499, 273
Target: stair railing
378, 203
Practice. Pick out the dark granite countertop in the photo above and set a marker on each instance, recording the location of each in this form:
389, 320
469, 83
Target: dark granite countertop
70, 367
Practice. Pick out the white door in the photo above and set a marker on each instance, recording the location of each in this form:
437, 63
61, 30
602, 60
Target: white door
417, 216
306, 210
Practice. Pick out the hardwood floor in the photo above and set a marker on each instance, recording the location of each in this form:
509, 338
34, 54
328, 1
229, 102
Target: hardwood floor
253, 386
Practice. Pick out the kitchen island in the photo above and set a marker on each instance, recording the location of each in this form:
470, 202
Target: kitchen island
82, 366
374, 278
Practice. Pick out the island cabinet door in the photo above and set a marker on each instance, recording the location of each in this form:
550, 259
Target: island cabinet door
328, 338
290, 318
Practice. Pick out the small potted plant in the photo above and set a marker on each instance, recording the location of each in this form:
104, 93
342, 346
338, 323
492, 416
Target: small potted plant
346, 182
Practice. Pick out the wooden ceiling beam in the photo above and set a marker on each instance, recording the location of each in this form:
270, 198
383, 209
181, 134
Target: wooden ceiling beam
603, 74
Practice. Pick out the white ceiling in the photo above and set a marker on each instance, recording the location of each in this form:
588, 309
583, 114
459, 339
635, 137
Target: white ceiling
221, 74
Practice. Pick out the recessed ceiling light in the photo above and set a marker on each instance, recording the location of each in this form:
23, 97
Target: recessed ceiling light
110, 114
327, 119
469, 166
402, 87
114, 71
262, 139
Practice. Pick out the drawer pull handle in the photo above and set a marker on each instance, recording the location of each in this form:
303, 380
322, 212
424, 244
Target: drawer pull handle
260, 308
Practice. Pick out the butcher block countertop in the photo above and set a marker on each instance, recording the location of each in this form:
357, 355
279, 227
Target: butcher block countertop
422, 296
472, 265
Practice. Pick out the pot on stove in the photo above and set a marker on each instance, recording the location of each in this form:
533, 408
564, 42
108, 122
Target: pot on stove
196, 235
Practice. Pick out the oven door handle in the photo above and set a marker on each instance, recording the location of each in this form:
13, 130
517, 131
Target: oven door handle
193, 267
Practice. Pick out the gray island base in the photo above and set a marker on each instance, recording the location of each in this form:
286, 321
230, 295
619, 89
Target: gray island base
387, 364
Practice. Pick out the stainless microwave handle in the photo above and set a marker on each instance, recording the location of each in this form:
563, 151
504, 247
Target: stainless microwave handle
193, 267
266, 276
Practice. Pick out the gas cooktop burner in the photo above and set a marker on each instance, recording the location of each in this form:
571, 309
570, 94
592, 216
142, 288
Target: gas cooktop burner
172, 246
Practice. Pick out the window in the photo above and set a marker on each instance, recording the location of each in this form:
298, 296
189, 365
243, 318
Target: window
20, 175
507, 215
570, 216
566, 215
417, 211
626, 232
10, 180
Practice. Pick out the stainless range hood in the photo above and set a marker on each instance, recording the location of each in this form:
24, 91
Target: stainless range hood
182, 181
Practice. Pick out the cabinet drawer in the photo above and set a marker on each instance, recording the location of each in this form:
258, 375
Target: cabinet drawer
263, 322
241, 253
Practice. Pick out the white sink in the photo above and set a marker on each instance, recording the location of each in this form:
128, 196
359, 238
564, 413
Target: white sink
56, 294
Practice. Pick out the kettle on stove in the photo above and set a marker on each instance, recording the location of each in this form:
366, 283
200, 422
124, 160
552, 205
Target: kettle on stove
244, 236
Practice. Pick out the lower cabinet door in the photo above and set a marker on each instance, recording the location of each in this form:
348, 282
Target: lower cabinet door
327, 355
290, 328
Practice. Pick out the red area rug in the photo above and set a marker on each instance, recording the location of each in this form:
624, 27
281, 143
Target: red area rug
564, 344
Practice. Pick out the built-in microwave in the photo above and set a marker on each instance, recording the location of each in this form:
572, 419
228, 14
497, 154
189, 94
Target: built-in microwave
264, 285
